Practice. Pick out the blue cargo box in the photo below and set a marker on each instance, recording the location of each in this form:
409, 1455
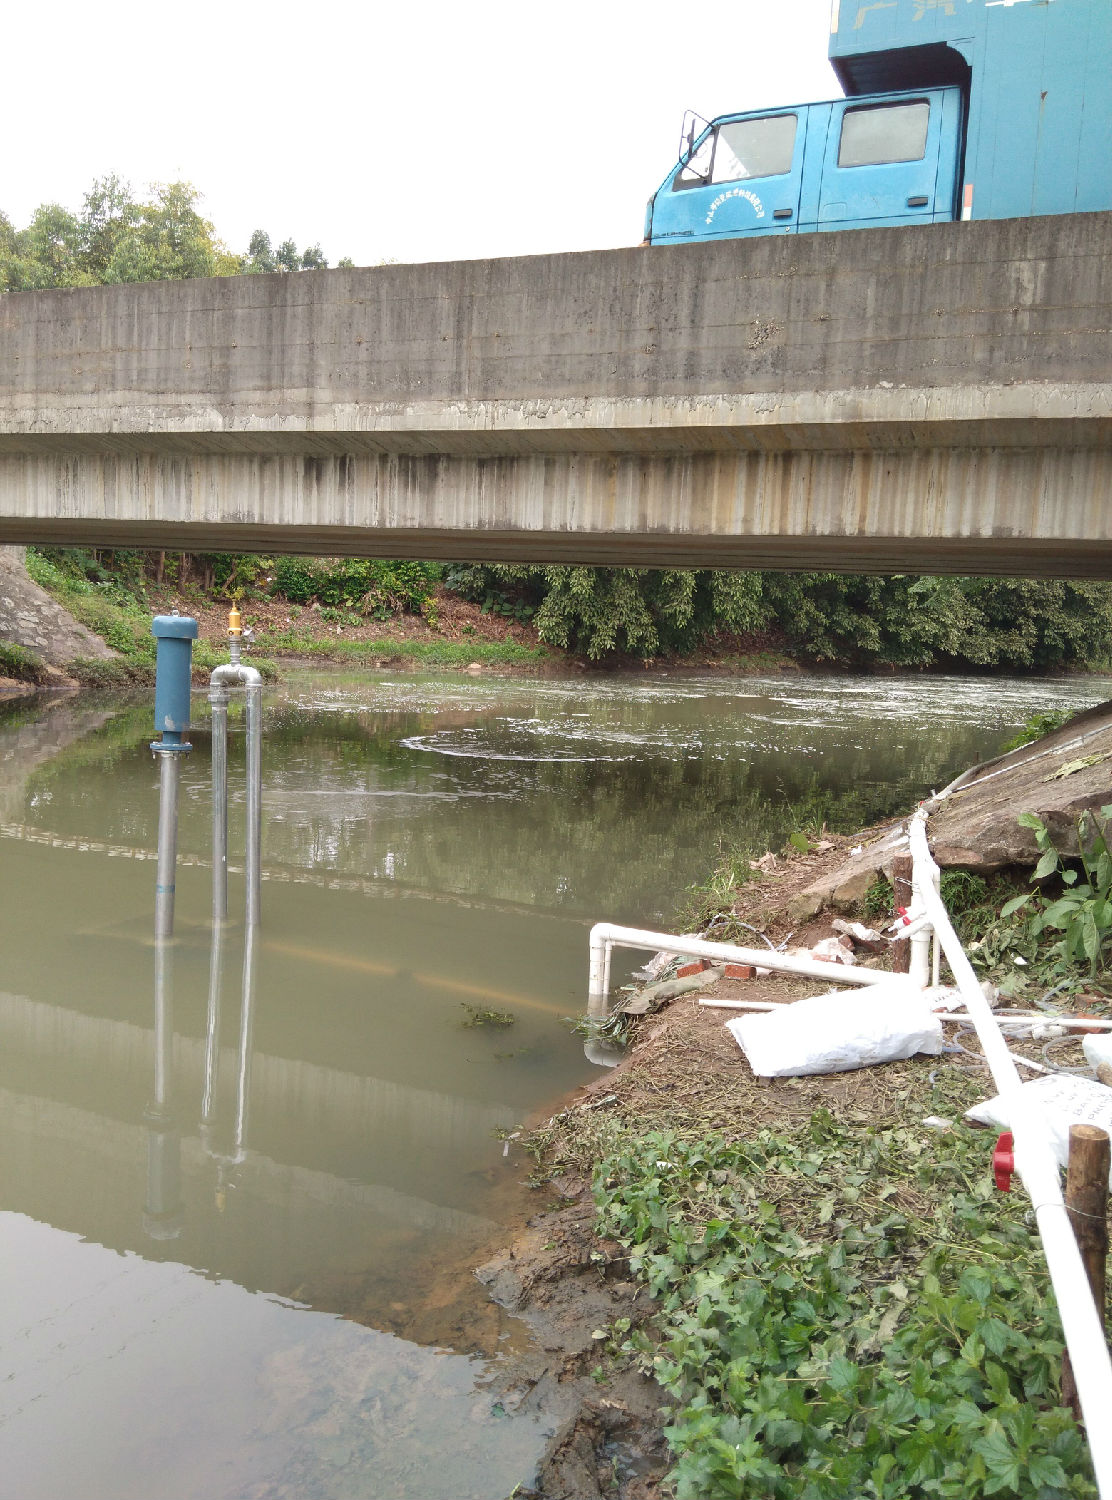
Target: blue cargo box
1037, 75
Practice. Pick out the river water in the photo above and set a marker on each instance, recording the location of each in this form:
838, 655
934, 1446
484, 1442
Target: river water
249, 1306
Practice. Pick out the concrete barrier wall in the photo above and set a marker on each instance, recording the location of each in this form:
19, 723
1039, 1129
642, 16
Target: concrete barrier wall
954, 304
936, 397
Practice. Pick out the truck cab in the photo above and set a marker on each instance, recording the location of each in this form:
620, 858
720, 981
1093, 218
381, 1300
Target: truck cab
847, 164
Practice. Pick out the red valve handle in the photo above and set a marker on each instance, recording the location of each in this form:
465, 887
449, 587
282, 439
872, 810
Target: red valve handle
1003, 1162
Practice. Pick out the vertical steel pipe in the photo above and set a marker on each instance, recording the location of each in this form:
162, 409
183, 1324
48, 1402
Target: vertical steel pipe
212, 1030
218, 698
162, 1209
169, 778
246, 1029
253, 857
234, 673
163, 1026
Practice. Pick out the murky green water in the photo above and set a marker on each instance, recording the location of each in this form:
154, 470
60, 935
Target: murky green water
252, 1309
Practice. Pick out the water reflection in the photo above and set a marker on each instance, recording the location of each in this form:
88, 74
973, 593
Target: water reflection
162, 1211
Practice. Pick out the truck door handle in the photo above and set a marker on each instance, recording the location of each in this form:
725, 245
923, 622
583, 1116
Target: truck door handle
786, 213
918, 202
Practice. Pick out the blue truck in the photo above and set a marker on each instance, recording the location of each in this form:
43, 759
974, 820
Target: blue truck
971, 109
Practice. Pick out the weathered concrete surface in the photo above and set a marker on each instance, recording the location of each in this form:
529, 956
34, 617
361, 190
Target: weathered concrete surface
31, 618
938, 397
973, 821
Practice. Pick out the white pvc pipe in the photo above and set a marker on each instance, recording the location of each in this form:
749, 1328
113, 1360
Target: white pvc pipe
1082, 1023
1040, 1173
605, 937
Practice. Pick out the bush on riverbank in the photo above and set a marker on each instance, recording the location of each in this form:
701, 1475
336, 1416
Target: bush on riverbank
958, 624
856, 621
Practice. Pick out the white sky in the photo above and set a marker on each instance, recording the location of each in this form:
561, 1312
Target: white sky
419, 131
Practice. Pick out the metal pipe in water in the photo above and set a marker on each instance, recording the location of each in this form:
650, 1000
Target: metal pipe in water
218, 698
163, 1026
169, 778
246, 1029
234, 673
212, 1032
253, 856
162, 1206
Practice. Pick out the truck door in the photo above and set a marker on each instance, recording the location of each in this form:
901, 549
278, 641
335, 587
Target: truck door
743, 178
882, 163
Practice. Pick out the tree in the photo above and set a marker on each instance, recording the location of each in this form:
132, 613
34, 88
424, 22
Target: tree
116, 238
261, 259
110, 217
637, 611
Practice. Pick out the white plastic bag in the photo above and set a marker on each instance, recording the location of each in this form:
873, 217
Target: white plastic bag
1097, 1049
838, 1032
1062, 1100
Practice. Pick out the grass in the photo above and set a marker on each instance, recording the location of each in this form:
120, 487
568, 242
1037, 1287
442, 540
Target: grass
378, 652
22, 665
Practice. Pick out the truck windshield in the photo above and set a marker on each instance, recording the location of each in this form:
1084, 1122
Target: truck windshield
884, 133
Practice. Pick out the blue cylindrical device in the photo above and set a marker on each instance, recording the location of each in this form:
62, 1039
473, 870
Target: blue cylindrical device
175, 635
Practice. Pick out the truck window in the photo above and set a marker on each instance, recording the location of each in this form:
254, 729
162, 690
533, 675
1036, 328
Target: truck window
884, 133
754, 148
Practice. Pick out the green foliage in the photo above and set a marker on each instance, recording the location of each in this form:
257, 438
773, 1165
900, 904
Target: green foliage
107, 592
985, 623
634, 611
962, 891
110, 601
878, 898
485, 1015
1082, 911
932, 622
375, 589
22, 665
116, 237
1037, 726
261, 259
830, 1325
373, 653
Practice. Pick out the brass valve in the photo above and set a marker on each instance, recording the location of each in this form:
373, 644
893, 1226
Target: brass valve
235, 623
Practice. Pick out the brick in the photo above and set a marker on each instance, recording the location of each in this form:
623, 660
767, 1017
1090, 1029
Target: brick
740, 971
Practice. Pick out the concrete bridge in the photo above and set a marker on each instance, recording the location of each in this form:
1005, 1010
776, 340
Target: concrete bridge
934, 399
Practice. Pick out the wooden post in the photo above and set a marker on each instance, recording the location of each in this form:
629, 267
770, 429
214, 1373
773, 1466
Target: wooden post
1087, 1205
901, 892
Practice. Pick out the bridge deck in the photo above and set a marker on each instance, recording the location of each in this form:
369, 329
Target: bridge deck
936, 398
